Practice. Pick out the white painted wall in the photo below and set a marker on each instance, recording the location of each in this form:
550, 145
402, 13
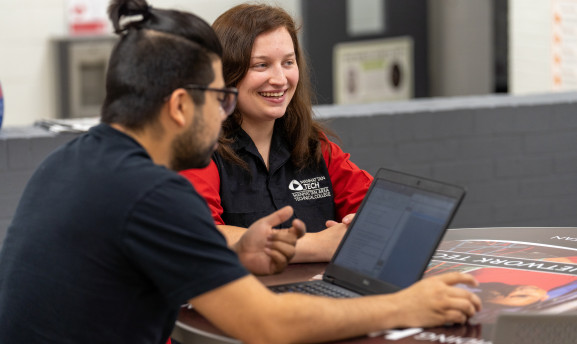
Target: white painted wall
461, 61
25, 60
27, 71
530, 35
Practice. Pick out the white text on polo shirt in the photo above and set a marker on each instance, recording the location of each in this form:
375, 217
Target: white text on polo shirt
309, 189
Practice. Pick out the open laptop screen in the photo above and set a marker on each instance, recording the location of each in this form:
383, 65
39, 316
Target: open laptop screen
396, 232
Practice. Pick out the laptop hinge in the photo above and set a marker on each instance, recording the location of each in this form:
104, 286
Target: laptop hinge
329, 279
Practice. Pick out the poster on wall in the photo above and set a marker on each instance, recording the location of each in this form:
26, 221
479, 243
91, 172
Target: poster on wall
564, 45
373, 71
87, 17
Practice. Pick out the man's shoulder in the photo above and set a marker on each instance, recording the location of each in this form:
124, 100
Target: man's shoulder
107, 162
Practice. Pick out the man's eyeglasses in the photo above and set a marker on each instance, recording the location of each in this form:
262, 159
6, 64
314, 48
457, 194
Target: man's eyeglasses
227, 100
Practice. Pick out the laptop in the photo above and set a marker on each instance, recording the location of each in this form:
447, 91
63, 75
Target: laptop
391, 239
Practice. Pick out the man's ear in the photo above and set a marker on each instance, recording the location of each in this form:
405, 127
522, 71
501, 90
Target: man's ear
181, 107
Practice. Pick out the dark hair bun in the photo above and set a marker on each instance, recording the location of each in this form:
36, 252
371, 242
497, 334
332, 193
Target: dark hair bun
125, 14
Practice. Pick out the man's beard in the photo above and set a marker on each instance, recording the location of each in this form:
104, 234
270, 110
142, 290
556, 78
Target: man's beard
188, 150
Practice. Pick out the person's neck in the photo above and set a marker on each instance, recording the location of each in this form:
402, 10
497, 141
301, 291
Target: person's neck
155, 144
259, 132
261, 135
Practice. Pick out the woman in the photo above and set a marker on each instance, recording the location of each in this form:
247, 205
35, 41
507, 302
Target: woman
271, 151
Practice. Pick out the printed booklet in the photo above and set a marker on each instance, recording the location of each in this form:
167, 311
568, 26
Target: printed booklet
518, 269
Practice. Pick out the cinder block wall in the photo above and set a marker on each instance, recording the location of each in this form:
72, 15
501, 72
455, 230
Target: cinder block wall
516, 155
21, 150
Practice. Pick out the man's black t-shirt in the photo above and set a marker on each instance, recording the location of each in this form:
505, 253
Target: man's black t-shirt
104, 248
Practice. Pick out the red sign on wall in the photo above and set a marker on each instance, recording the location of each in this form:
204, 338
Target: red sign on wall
87, 17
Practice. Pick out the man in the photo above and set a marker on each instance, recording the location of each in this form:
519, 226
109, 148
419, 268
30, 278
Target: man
104, 248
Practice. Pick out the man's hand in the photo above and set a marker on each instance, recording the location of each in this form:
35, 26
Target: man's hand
436, 301
264, 250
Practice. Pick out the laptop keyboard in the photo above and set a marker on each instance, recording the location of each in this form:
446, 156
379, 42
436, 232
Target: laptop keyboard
321, 289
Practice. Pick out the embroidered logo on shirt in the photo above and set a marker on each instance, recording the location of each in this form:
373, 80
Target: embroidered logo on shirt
295, 186
309, 189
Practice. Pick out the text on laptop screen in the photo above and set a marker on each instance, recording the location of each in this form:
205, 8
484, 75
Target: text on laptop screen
402, 217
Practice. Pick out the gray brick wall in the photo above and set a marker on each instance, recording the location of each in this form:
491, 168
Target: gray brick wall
21, 150
516, 155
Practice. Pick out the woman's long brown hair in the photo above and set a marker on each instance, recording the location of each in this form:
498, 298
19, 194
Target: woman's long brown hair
237, 30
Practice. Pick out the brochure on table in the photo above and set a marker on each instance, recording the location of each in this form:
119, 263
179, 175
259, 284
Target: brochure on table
518, 270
